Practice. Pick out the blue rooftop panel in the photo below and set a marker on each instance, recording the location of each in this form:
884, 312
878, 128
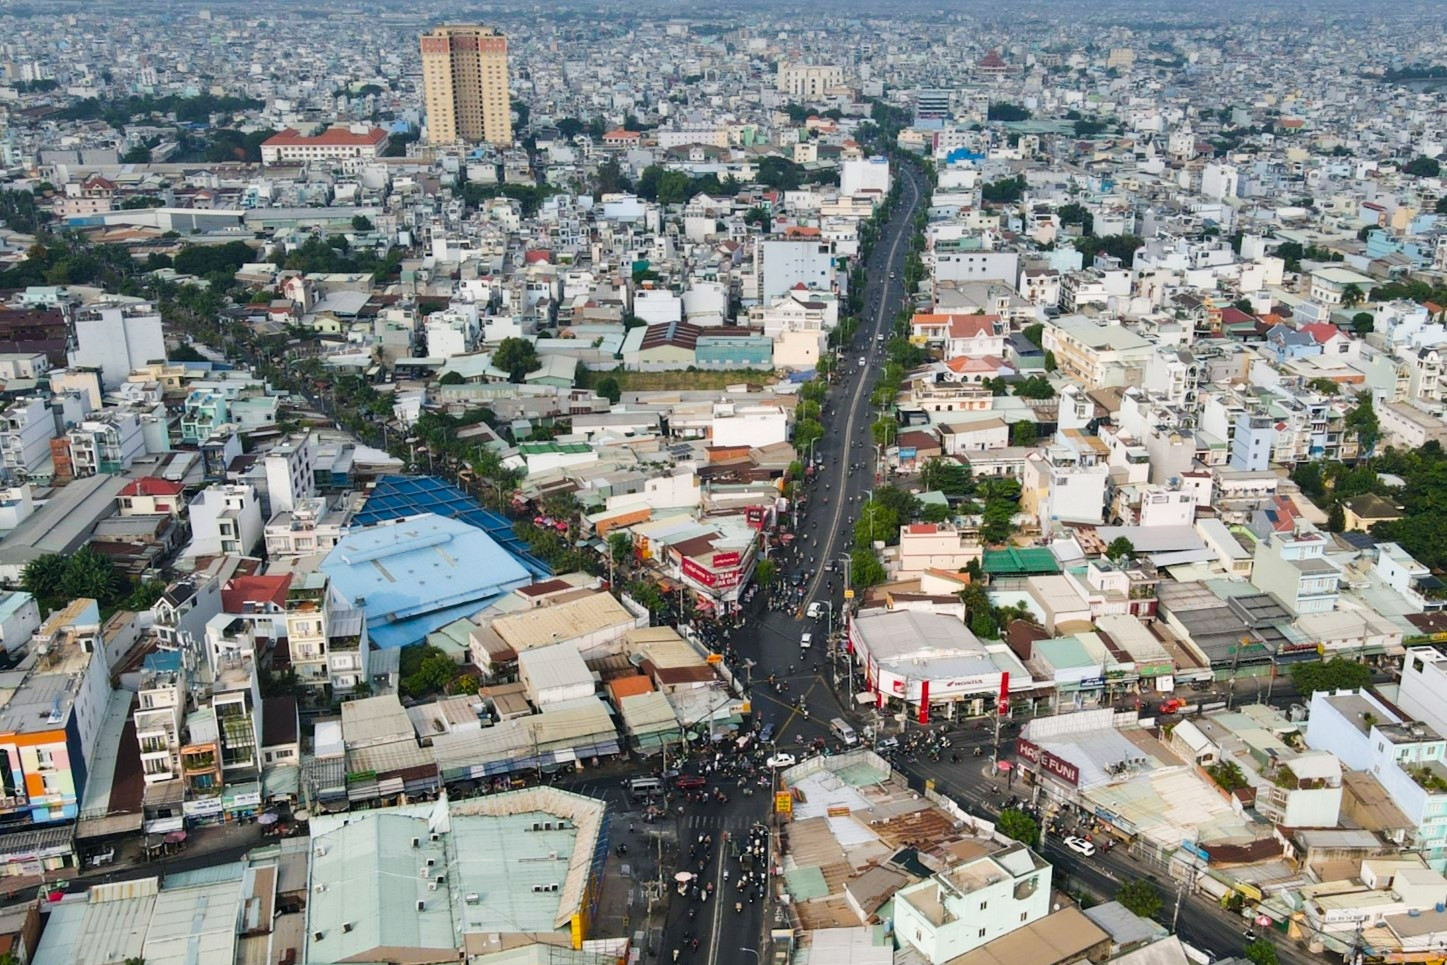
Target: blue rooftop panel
416, 575
395, 497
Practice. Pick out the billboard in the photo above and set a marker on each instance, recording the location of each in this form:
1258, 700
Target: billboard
1046, 762
721, 560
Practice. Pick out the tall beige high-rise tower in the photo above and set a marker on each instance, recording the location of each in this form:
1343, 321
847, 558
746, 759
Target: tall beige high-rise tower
464, 78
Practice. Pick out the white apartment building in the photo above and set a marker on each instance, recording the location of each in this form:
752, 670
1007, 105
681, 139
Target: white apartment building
1066, 481
312, 526
1405, 756
1409, 426
958, 910
450, 333
1096, 353
117, 339
1423, 684
327, 635
108, 443
26, 428
784, 263
926, 546
334, 144
1411, 580
808, 81
225, 519
1294, 568
799, 326
290, 473
860, 175
161, 707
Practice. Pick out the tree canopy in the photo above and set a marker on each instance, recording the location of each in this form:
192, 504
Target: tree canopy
1139, 897
1338, 673
1018, 825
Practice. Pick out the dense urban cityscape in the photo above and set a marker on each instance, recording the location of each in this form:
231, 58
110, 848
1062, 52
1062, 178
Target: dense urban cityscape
804, 484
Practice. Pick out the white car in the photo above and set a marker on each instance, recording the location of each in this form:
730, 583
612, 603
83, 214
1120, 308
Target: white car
806, 641
815, 611
782, 760
1080, 846
863, 361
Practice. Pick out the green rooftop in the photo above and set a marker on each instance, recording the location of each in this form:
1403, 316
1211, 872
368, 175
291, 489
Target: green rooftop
1015, 561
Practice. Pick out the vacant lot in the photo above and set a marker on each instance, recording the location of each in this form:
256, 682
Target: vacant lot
667, 381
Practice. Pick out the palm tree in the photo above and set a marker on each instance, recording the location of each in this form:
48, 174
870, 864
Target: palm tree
1351, 295
42, 576
91, 574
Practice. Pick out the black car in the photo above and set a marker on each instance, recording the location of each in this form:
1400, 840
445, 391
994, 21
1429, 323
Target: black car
797, 579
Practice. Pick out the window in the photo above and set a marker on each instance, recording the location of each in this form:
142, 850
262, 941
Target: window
1023, 915
982, 933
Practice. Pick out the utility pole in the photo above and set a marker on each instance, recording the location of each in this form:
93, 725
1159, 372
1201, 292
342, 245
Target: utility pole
1235, 662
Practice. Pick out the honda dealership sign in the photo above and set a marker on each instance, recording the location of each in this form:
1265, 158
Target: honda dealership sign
1046, 762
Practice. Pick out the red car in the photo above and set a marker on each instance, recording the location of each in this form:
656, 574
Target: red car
689, 782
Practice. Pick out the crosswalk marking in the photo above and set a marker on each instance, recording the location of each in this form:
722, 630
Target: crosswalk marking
704, 822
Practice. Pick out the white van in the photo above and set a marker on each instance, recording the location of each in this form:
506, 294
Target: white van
843, 731
645, 786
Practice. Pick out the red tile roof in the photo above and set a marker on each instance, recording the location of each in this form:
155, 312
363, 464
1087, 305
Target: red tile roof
333, 136
152, 486
242, 590
1321, 332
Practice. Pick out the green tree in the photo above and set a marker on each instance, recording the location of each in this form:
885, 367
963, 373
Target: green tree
1004, 111
1351, 295
1035, 387
1024, 433
1421, 167
1363, 324
89, 573
1004, 191
452, 377
145, 595
948, 476
1336, 518
515, 356
1262, 952
361, 222
620, 548
1018, 825
806, 433
1050, 364
1034, 334
1140, 897
1120, 548
766, 572
1338, 673
884, 430
647, 595
435, 673
42, 576
865, 570
609, 388
140, 154
1307, 476
1363, 421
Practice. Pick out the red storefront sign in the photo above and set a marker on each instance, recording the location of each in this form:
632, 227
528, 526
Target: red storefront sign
1004, 705
724, 579
1046, 762
723, 560
924, 702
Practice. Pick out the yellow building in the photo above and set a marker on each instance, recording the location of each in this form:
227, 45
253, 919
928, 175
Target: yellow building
464, 77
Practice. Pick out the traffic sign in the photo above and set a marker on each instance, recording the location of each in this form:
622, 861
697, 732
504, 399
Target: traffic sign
784, 802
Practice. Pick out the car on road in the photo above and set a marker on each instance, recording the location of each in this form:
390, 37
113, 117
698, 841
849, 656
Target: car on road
806, 641
888, 744
796, 579
1172, 706
690, 782
767, 734
863, 361
782, 760
1079, 845
815, 611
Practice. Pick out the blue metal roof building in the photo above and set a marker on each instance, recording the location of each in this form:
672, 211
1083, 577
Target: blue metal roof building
397, 497
416, 574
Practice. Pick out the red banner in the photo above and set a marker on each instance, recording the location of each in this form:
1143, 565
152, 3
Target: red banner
721, 560
924, 702
1004, 706
1047, 762
754, 516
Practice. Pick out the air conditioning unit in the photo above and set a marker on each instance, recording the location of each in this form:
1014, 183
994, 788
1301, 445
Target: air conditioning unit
472, 898
421, 904
319, 888
316, 936
431, 886
320, 852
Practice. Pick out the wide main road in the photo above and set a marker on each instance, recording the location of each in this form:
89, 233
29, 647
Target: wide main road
771, 638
